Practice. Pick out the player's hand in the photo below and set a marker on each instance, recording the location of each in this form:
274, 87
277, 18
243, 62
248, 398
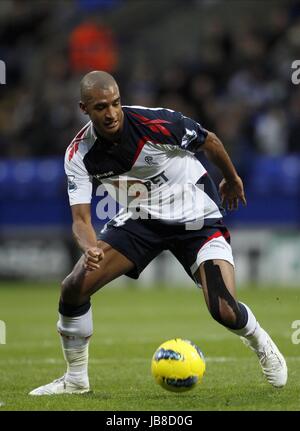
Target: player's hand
92, 258
231, 193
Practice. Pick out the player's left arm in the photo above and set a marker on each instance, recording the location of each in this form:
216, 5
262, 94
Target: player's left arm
231, 187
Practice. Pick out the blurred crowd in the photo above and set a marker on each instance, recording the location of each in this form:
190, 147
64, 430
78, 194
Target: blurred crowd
237, 83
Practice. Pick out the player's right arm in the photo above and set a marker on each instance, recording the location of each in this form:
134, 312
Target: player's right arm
80, 195
85, 235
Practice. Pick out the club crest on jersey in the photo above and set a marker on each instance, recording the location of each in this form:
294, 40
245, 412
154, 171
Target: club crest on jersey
149, 160
71, 183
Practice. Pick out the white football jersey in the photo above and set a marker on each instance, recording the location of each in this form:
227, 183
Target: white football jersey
152, 172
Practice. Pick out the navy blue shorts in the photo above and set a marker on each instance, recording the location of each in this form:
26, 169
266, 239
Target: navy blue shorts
142, 240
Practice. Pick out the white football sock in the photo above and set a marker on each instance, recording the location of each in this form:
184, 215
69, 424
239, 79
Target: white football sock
252, 331
75, 334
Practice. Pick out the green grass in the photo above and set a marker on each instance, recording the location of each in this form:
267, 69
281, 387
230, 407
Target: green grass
129, 324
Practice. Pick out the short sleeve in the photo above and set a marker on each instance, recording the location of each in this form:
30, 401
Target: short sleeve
193, 135
79, 181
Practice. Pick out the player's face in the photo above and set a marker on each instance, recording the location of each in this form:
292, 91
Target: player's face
105, 110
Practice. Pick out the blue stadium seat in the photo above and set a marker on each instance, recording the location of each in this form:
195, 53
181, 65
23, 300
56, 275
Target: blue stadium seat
275, 175
33, 192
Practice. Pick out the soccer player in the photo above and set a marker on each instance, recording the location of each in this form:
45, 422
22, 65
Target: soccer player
178, 209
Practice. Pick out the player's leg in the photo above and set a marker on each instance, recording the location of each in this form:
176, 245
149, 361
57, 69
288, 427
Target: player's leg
218, 285
129, 245
80, 284
75, 323
218, 282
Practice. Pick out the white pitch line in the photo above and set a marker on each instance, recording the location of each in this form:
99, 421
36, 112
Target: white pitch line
55, 361
19, 344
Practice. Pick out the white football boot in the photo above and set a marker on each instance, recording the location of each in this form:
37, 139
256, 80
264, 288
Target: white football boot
271, 360
60, 386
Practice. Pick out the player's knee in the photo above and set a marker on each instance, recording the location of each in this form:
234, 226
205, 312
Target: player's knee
75, 288
67, 284
71, 291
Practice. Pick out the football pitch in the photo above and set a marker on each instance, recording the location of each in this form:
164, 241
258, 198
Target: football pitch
129, 324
